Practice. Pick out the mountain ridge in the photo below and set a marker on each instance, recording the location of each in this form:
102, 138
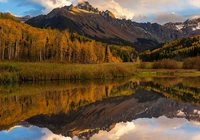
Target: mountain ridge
103, 26
90, 22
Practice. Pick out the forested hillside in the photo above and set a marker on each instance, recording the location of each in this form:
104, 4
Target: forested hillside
21, 42
178, 49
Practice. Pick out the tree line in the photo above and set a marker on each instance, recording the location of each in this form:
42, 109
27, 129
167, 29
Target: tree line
179, 50
21, 42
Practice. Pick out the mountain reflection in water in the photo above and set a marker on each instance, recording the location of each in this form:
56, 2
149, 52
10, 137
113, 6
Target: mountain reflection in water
151, 108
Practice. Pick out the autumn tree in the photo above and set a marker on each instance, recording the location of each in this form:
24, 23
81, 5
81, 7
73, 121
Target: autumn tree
19, 41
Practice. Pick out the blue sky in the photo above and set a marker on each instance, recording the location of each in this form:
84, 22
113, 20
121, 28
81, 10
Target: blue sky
160, 11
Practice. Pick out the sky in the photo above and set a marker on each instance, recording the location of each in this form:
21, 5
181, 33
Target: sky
161, 128
160, 11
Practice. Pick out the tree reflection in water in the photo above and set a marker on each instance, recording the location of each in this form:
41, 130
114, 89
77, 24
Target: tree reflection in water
83, 109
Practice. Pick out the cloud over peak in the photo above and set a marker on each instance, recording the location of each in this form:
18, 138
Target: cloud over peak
50, 4
137, 10
113, 6
168, 17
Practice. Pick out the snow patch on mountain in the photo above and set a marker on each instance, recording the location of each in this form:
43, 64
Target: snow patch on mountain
180, 26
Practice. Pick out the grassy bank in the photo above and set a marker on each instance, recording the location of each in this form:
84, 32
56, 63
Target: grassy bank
21, 71
25, 71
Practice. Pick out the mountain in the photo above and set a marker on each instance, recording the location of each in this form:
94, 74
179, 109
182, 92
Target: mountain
103, 26
23, 18
187, 28
9, 15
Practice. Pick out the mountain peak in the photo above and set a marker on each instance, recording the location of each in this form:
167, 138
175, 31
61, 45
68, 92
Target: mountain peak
70, 7
87, 6
107, 14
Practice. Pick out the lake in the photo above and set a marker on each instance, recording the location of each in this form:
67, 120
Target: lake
146, 108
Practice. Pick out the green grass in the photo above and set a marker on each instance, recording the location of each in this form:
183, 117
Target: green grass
27, 71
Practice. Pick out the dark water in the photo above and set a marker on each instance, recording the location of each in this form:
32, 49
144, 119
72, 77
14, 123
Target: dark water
138, 108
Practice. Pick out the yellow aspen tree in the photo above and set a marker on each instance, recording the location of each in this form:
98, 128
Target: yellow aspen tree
108, 55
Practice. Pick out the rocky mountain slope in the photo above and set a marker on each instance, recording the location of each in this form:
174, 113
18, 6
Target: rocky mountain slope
187, 28
103, 26
23, 18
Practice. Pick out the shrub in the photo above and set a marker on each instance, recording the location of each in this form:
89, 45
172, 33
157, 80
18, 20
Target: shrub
165, 64
7, 77
192, 63
145, 65
198, 63
189, 63
142, 65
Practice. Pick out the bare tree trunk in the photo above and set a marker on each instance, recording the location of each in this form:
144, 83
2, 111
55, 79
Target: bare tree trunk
40, 54
3, 51
44, 52
15, 50
61, 54
9, 52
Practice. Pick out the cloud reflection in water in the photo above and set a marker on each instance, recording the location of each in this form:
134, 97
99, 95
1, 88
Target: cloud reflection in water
143, 129
151, 129
30, 133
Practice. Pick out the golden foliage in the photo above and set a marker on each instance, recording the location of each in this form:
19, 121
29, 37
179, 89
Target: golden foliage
19, 41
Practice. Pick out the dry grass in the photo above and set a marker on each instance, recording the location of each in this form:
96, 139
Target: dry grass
26, 71
58, 71
192, 63
165, 64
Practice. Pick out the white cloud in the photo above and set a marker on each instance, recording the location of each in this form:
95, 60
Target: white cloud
48, 135
168, 17
50, 4
117, 9
195, 3
116, 133
193, 16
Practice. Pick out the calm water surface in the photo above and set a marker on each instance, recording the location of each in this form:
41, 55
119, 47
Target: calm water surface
125, 109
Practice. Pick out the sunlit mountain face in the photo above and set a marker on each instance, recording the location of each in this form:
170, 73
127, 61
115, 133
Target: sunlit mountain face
105, 26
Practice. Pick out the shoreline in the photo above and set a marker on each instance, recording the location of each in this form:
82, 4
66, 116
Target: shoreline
28, 71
